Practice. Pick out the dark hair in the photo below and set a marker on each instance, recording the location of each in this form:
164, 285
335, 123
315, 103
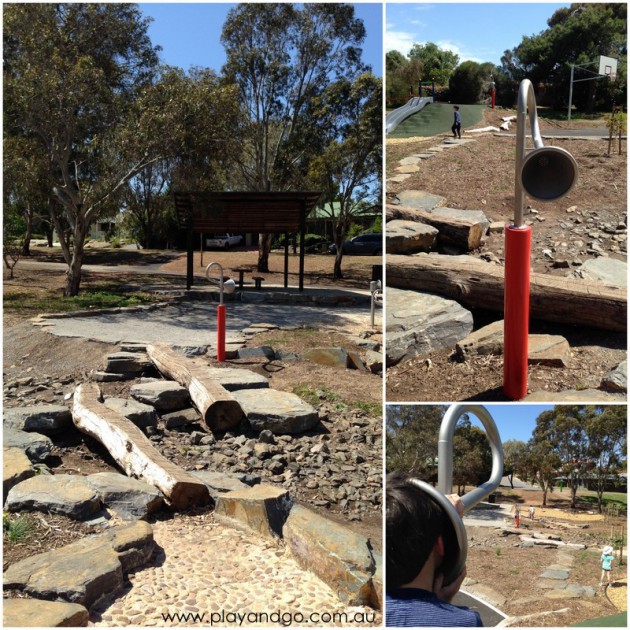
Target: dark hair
456, 107
413, 524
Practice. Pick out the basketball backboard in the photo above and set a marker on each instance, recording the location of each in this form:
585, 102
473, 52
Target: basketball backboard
608, 66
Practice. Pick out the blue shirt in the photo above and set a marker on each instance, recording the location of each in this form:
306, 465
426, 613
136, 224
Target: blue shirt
414, 607
458, 118
607, 561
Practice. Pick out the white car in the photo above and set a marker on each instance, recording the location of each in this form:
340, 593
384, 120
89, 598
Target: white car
224, 241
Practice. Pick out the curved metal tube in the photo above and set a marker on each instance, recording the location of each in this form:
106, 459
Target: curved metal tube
445, 453
218, 281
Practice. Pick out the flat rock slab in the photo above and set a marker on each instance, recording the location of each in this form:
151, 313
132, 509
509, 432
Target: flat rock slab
549, 584
163, 395
606, 270
418, 323
258, 352
581, 591
555, 574
36, 446
69, 495
374, 361
181, 418
561, 594
276, 411
16, 467
399, 178
263, 508
487, 593
131, 499
36, 613
218, 482
45, 419
408, 168
407, 237
470, 216
572, 395
409, 160
424, 156
127, 363
616, 380
421, 199
141, 414
87, 571
337, 555
233, 379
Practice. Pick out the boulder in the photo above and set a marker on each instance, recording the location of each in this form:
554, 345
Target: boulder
131, 499
85, 572
471, 216
218, 482
36, 613
259, 352
141, 414
69, 495
263, 508
16, 467
420, 199
338, 556
163, 395
571, 395
45, 419
418, 323
374, 361
36, 446
128, 363
616, 380
408, 237
551, 350
606, 270
279, 412
333, 357
180, 418
238, 378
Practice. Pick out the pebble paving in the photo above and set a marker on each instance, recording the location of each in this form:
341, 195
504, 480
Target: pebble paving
202, 566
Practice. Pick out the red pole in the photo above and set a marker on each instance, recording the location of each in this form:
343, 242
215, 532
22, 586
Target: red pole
221, 333
516, 309
494, 97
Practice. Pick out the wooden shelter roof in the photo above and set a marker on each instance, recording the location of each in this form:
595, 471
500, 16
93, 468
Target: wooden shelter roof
240, 212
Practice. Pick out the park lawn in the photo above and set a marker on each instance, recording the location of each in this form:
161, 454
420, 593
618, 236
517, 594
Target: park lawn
437, 118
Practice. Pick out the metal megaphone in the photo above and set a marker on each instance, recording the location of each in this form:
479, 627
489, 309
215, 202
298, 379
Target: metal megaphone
455, 541
545, 173
225, 286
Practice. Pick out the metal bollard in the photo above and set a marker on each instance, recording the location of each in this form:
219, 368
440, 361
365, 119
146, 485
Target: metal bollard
224, 287
376, 298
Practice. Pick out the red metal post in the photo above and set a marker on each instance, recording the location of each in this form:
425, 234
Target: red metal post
221, 333
516, 310
494, 97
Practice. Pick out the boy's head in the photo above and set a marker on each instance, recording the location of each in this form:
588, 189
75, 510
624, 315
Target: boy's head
414, 523
456, 108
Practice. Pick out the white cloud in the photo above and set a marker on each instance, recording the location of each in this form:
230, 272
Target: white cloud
401, 41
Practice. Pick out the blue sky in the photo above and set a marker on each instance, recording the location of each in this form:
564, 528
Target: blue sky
515, 422
475, 31
190, 33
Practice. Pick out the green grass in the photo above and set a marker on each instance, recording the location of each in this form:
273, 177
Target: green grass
17, 529
314, 396
437, 118
619, 499
31, 302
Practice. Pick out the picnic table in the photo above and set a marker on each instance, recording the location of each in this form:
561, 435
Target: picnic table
242, 270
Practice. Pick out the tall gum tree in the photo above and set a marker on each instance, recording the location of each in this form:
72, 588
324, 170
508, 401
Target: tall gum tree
281, 57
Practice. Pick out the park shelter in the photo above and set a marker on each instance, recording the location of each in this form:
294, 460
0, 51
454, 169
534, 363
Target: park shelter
240, 212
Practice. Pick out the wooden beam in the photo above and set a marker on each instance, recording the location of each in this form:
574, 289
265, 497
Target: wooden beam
302, 244
286, 260
476, 283
133, 451
190, 247
218, 408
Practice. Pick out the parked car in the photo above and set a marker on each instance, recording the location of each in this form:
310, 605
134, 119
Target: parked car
362, 245
224, 241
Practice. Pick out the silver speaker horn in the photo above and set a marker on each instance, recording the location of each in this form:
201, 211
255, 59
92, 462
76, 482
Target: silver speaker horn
455, 560
225, 286
546, 173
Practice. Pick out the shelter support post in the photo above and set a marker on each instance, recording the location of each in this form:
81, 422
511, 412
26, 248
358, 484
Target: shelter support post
302, 243
286, 260
190, 248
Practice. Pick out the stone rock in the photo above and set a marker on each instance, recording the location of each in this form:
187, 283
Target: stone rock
408, 168
475, 216
333, 357
37, 613
546, 583
16, 467
238, 378
607, 270
338, 556
163, 395
45, 419
85, 572
284, 355
555, 574
485, 340
263, 508
571, 395
376, 599
399, 178
219, 483
409, 160
561, 594
259, 352
355, 362
180, 418
496, 227
276, 411
109, 377
140, 414
364, 344
128, 363
616, 380
489, 594
69, 495
374, 361
552, 350
418, 323
407, 237
420, 199
36, 446
130, 498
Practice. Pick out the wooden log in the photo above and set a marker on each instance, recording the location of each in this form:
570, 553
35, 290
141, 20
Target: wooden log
476, 283
133, 451
218, 408
466, 234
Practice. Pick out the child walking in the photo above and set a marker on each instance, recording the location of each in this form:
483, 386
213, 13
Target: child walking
607, 565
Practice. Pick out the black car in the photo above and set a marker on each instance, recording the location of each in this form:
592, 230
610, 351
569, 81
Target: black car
362, 245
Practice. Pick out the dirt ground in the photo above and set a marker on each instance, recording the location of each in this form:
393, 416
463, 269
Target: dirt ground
477, 176
512, 571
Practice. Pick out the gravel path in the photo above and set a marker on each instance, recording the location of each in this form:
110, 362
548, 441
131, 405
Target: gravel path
206, 567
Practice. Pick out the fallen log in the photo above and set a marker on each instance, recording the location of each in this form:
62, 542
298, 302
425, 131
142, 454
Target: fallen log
464, 233
218, 408
133, 451
551, 543
506, 531
476, 283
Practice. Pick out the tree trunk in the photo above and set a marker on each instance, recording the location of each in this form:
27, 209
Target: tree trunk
73, 275
337, 274
339, 236
264, 248
49, 234
26, 245
475, 283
